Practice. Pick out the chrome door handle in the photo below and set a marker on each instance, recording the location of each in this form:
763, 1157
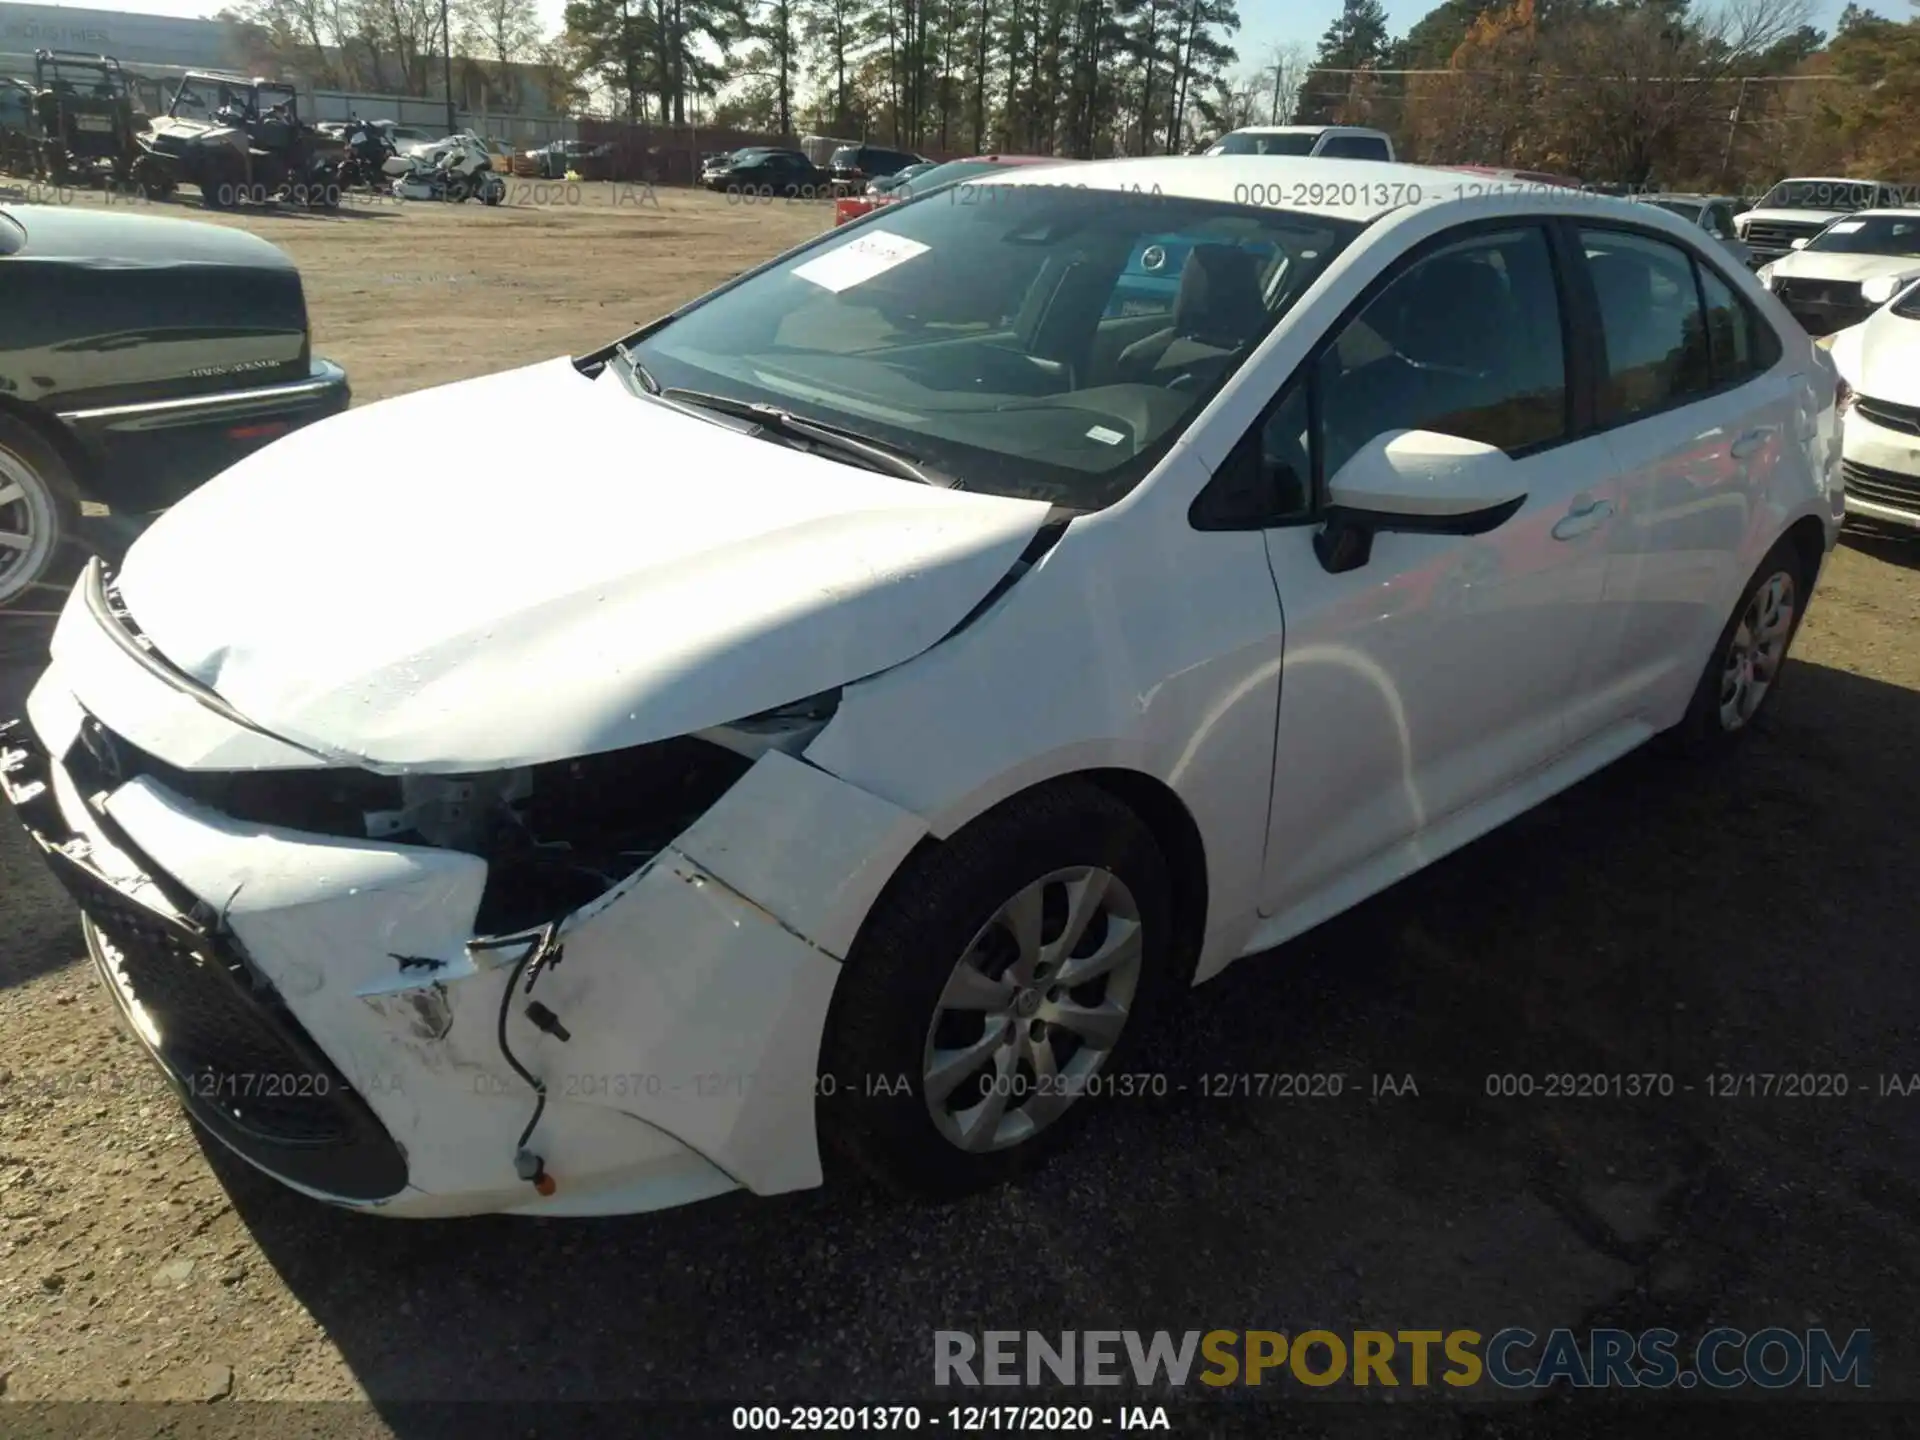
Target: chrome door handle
1748, 443
1578, 522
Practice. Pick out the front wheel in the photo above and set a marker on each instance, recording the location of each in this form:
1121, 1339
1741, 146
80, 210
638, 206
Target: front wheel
40, 550
994, 989
1745, 668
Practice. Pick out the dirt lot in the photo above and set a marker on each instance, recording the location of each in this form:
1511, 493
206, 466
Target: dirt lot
1759, 916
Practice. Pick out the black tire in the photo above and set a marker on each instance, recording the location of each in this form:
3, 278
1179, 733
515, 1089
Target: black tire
1706, 729
47, 508
873, 1106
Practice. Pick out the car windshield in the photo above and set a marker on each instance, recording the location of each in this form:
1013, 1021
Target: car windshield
975, 330
1242, 142
1907, 304
1821, 195
1685, 209
204, 99
1871, 235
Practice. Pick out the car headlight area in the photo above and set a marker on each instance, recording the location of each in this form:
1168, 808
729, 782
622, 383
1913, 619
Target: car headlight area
452, 995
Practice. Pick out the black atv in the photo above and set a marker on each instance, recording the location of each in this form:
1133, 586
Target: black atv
368, 148
83, 109
241, 141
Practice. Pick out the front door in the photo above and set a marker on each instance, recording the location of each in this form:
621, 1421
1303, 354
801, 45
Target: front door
1439, 673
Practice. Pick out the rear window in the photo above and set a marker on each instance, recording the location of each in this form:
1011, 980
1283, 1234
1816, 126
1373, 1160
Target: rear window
847, 157
1355, 147
1242, 143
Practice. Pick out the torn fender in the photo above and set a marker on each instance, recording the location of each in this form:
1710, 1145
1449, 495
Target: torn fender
697, 997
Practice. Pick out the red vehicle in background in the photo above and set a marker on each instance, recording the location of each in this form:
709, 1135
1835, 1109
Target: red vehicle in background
852, 207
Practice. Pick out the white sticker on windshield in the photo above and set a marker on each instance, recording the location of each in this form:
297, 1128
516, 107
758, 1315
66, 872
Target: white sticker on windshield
1845, 227
1105, 436
858, 261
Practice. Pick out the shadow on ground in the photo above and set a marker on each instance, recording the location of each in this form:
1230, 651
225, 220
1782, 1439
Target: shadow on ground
1752, 916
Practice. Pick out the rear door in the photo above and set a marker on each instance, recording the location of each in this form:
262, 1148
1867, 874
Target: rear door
1698, 405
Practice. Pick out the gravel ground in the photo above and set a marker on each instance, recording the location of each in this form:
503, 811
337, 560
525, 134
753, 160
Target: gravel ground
1755, 916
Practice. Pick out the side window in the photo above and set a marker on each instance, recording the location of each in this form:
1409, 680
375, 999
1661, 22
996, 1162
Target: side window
1355, 147
1720, 222
1467, 342
1740, 343
1650, 319
1286, 455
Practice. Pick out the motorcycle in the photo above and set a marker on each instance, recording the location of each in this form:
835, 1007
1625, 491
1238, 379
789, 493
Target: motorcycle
456, 169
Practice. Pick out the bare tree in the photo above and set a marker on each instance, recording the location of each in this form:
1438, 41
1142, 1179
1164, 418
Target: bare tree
1280, 77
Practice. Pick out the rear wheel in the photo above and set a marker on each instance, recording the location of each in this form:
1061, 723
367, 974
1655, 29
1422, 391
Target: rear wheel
40, 550
999, 978
1748, 658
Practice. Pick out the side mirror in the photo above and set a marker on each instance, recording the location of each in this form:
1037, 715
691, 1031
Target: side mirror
1801, 243
1415, 481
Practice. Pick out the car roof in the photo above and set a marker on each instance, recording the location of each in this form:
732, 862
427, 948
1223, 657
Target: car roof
1301, 129
1362, 190
1822, 180
1909, 212
1014, 160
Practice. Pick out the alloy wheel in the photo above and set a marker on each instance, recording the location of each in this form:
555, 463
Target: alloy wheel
1033, 1009
1755, 652
27, 526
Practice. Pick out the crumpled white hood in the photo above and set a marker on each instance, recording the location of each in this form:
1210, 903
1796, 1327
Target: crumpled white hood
533, 566
1819, 265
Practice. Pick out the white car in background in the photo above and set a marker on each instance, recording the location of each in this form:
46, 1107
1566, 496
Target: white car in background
1880, 361
1327, 142
879, 724
1800, 209
1847, 271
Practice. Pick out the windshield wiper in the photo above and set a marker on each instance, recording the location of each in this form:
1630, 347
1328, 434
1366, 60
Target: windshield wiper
847, 444
634, 369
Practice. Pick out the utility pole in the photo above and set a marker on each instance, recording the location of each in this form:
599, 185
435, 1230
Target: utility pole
1278, 67
626, 47
1733, 127
446, 64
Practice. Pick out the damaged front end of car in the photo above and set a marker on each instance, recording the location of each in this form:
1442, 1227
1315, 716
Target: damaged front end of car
337, 967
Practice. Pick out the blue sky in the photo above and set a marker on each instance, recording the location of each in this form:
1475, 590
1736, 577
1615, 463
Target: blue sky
1265, 24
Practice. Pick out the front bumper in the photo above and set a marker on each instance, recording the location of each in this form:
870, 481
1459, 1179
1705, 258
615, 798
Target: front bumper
321, 1009
1880, 467
147, 455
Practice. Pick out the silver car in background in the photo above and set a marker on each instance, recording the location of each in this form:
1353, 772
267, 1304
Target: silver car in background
1713, 214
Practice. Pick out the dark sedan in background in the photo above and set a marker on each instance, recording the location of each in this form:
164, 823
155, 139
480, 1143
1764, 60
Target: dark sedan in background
853, 166
139, 357
769, 172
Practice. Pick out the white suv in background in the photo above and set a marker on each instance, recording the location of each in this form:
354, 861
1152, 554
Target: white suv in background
1329, 142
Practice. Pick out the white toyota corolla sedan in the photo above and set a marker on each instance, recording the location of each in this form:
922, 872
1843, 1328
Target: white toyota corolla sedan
906, 668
